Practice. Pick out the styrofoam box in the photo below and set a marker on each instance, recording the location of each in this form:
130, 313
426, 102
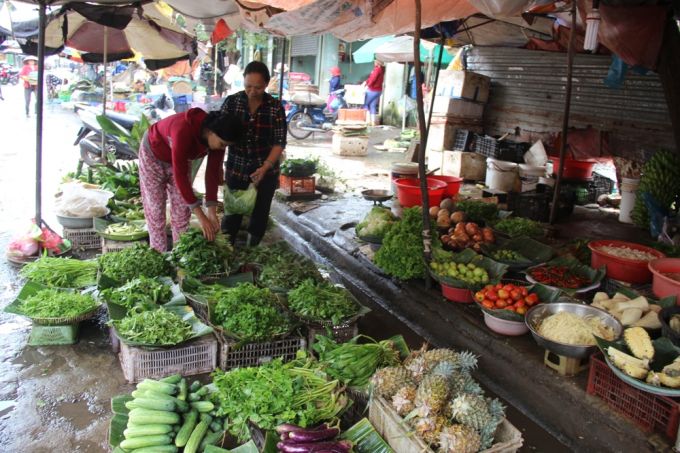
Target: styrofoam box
349, 146
463, 84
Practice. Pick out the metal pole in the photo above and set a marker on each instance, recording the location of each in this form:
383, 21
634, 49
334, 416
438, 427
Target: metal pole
436, 78
283, 66
427, 240
106, 52
567, 107
39, 111
215, 69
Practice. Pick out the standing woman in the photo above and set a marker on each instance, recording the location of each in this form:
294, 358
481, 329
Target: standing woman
374, 85
255, 157
165, 156
30, 66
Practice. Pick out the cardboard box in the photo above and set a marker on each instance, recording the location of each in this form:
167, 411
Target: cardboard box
463, 164
351, 116
349, 146
463, 84
456, 107
443, 129
355, 94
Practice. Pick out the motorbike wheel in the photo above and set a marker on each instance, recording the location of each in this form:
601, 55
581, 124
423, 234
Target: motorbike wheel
294, 130
90, 150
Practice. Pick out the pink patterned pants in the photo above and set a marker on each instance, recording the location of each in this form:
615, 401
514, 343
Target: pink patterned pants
157, 183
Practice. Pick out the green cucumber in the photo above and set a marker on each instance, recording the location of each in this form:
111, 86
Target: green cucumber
154, 404
139, 393
174, 379
203, 406
146, 430
212, 438
141, 416
182, 406
196, 437
157, 386
187, 428
145, 441
203, 391
215, 426
183, 390
156, 449
193, 397
195, 386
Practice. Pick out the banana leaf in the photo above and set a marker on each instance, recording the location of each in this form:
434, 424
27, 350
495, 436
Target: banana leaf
494, 269
185, 312
534, 252
401, 346
365, 438
546, 295
595, 276
116, 428
31, 288
101, 224
118, 404
178, 299
665, 302
247, 449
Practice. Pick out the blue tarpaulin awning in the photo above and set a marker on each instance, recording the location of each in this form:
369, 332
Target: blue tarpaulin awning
398, 49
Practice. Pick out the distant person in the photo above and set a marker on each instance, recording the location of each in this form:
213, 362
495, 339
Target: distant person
374, 86
335, 83
30, 82
274, 82
233, 77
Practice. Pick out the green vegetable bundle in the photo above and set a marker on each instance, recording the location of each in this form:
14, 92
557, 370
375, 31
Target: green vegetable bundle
401, 254
132, 262
61, 272
159, 327
478, 211
275, 393
322, 302
376, 223
353, 364
288, 271
248, 313
199, 257
140, 294
661, 179
519, 226
298, 167
51, 303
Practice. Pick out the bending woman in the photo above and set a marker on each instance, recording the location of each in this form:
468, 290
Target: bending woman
165, 156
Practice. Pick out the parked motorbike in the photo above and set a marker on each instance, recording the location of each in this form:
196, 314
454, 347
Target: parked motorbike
311, 113
9, 75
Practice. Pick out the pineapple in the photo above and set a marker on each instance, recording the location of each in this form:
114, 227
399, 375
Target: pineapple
432, 395
404, 400
429, 428
415, 364
387, 381
630, 365
478, 413
638, 341
459, 439
459, 381
465, 360
673, 369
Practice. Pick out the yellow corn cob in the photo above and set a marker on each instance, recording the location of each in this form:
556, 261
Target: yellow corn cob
628, 364
638, 341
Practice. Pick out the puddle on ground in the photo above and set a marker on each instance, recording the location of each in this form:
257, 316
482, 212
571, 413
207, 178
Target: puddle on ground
76, 413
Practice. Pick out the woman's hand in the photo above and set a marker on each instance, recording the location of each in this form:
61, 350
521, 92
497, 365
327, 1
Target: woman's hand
260, 173
209, 228
212, 217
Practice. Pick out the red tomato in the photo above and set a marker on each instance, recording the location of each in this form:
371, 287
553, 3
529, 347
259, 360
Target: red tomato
520, 304
509, 287
521, 310
488, 287
479, 296
524, 291
516, 294
532, 298
503, 294
488, 304
500, 303
492, 295
499, 286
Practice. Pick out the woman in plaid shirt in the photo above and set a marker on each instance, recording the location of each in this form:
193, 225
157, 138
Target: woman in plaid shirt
255, 157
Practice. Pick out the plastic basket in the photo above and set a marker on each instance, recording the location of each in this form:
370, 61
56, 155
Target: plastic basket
195, 357
232, 355
341, 333
651, 412
512, 151
53, 335
83, 238
199, 308
462, 140
531, 205
358, 409
109, 245
486, 146
297, 185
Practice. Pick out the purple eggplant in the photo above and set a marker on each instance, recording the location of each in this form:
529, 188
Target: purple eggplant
288, 428
342, 446
313, 436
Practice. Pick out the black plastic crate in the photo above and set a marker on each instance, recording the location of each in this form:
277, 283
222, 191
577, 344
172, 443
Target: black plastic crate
512, 151
463, 140
531, 205
486, 146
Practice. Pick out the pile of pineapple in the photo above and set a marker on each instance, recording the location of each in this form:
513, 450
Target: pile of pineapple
437, 396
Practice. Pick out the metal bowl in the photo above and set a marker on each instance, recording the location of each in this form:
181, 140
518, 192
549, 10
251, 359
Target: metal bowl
78, 222
377, 195
538, 313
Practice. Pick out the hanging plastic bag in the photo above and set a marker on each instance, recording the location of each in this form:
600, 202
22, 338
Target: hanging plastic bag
80, 201
239, 202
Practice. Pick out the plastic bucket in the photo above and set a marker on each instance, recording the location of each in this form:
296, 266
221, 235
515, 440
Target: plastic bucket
628, 194
623, 269
453, 184
460, 295
403, 170
500, 175
530, 175
662, 285
574, 169
409, 194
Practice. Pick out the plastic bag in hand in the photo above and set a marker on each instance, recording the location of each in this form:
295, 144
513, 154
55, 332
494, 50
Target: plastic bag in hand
239, 201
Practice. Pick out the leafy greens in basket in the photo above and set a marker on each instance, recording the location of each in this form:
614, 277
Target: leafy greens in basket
322, 302
199, 257
52, 303
132, 262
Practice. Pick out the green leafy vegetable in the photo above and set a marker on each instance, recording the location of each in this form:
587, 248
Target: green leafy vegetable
401, 254
199, 257
132, 262
159, 327
376, 223
274, 393
141, 293
478, 211
298, 167
288, 271
322, 301
62, 272
51, 303
519, 226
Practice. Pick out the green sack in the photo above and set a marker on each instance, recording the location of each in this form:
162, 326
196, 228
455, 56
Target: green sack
239, 201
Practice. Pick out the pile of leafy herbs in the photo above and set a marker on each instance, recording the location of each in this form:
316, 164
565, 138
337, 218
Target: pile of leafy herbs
61, 272
322, 302
139, 294
52, 303
401, 254
247, 312
519, 226
376, 223
199, 257
297, 392
478, 211
132, 262
298, 167
287, 271
121, 178
159, 327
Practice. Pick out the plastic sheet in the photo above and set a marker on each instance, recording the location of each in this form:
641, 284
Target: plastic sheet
79, 201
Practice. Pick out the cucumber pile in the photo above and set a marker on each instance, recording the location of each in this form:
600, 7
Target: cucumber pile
169, 416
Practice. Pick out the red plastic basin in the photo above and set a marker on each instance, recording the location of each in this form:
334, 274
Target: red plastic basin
662, 285
409, 194
453, 184
460, 295
623, 269
574, 169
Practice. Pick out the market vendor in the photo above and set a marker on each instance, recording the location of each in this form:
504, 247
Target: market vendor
28, 76
165, 156
255, 157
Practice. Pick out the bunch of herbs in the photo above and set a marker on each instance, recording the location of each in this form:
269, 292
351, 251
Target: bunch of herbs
61, 272
322, 302
132, 262
157, 327
52, 303
139, 294
519, 226
478, 211
401, 254
199, 257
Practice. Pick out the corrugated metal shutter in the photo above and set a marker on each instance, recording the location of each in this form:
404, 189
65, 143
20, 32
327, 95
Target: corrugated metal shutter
527, 91
304, 45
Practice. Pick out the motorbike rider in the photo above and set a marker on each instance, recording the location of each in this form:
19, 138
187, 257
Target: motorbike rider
334, 84
30, 66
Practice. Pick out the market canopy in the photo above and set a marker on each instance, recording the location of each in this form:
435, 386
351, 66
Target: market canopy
398, 49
